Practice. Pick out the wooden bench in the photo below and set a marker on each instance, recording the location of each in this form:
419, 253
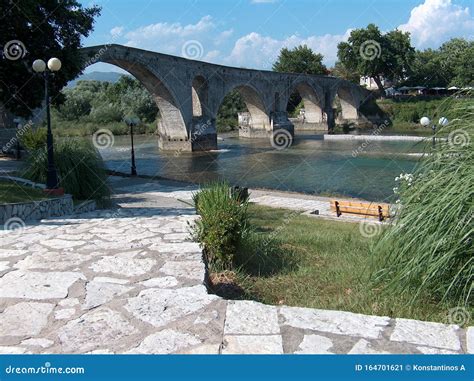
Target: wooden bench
379, 210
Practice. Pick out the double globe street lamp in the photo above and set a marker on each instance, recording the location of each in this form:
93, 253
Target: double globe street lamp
425, 122
39, 66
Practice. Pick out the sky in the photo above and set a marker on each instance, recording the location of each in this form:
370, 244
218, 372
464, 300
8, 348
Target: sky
250, 33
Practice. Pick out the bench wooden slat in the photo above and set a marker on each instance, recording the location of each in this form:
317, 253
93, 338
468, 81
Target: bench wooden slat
380, 210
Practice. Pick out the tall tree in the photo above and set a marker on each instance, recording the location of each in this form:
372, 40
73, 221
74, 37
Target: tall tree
370, 53
33, 29
339, 70
300, 59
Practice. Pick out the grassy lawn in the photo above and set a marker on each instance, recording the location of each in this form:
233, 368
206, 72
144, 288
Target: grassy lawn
329, 269
11, 192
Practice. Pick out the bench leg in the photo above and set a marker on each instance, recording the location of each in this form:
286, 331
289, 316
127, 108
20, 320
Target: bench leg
338, 210
380, 213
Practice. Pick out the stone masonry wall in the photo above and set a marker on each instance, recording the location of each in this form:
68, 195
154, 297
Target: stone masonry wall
37, 210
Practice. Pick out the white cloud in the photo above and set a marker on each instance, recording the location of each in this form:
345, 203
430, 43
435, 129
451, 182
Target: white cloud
263, 1
436, 21
170, 37
256, 51
117, 31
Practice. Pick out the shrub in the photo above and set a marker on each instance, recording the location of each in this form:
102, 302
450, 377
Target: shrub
223, 221
80, 169
33, 139
429, 250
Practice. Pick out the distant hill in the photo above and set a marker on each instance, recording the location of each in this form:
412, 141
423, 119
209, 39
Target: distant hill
103, 76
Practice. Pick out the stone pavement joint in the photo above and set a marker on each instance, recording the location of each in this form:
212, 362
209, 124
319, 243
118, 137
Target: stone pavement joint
129, 280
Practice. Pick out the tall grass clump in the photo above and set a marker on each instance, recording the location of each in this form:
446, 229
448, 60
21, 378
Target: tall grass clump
429, 250
223, 222
79, 166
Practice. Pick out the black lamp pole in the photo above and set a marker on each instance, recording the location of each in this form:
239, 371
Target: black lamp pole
51, 176
133, 168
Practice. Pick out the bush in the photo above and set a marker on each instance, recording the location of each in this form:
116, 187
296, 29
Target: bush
80, 169
429, 251
33, 139
223, 222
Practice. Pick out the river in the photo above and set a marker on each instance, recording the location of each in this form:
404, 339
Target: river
365, 170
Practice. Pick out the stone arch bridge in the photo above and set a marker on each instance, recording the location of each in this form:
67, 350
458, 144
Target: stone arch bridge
188, 94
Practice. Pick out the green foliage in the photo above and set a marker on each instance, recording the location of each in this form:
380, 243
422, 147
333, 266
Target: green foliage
80, 169
300, 59
232, 104
46, 29
339, 70
103, 102
33, 138
75, 106
429, 250
412, 110
368, 52
222, 224
450, 65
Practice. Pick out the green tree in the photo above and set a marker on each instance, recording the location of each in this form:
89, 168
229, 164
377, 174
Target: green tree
368, 52
428, 70
458, 55
339, 70
45, 28
300, 60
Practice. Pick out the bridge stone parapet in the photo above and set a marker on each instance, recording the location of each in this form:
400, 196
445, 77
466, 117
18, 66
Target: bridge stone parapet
189, 93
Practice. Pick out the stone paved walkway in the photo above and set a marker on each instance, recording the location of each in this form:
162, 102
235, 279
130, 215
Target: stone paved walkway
128, 280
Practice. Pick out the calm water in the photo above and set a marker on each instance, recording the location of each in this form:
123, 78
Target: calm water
311, 165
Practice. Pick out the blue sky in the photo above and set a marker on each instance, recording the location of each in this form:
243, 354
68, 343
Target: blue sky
250, 33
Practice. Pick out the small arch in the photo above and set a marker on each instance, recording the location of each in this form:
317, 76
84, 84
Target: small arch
346, 104
255, 106
200, 91
313, 104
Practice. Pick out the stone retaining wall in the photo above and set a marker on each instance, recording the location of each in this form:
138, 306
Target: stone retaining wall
376, 137
37, 210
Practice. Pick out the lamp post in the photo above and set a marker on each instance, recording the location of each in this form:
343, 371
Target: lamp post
425, 122
39, 66
131, 122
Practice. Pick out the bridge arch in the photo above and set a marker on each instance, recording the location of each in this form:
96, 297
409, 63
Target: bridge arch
313, 100
200, 95
254, 101
348, 103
